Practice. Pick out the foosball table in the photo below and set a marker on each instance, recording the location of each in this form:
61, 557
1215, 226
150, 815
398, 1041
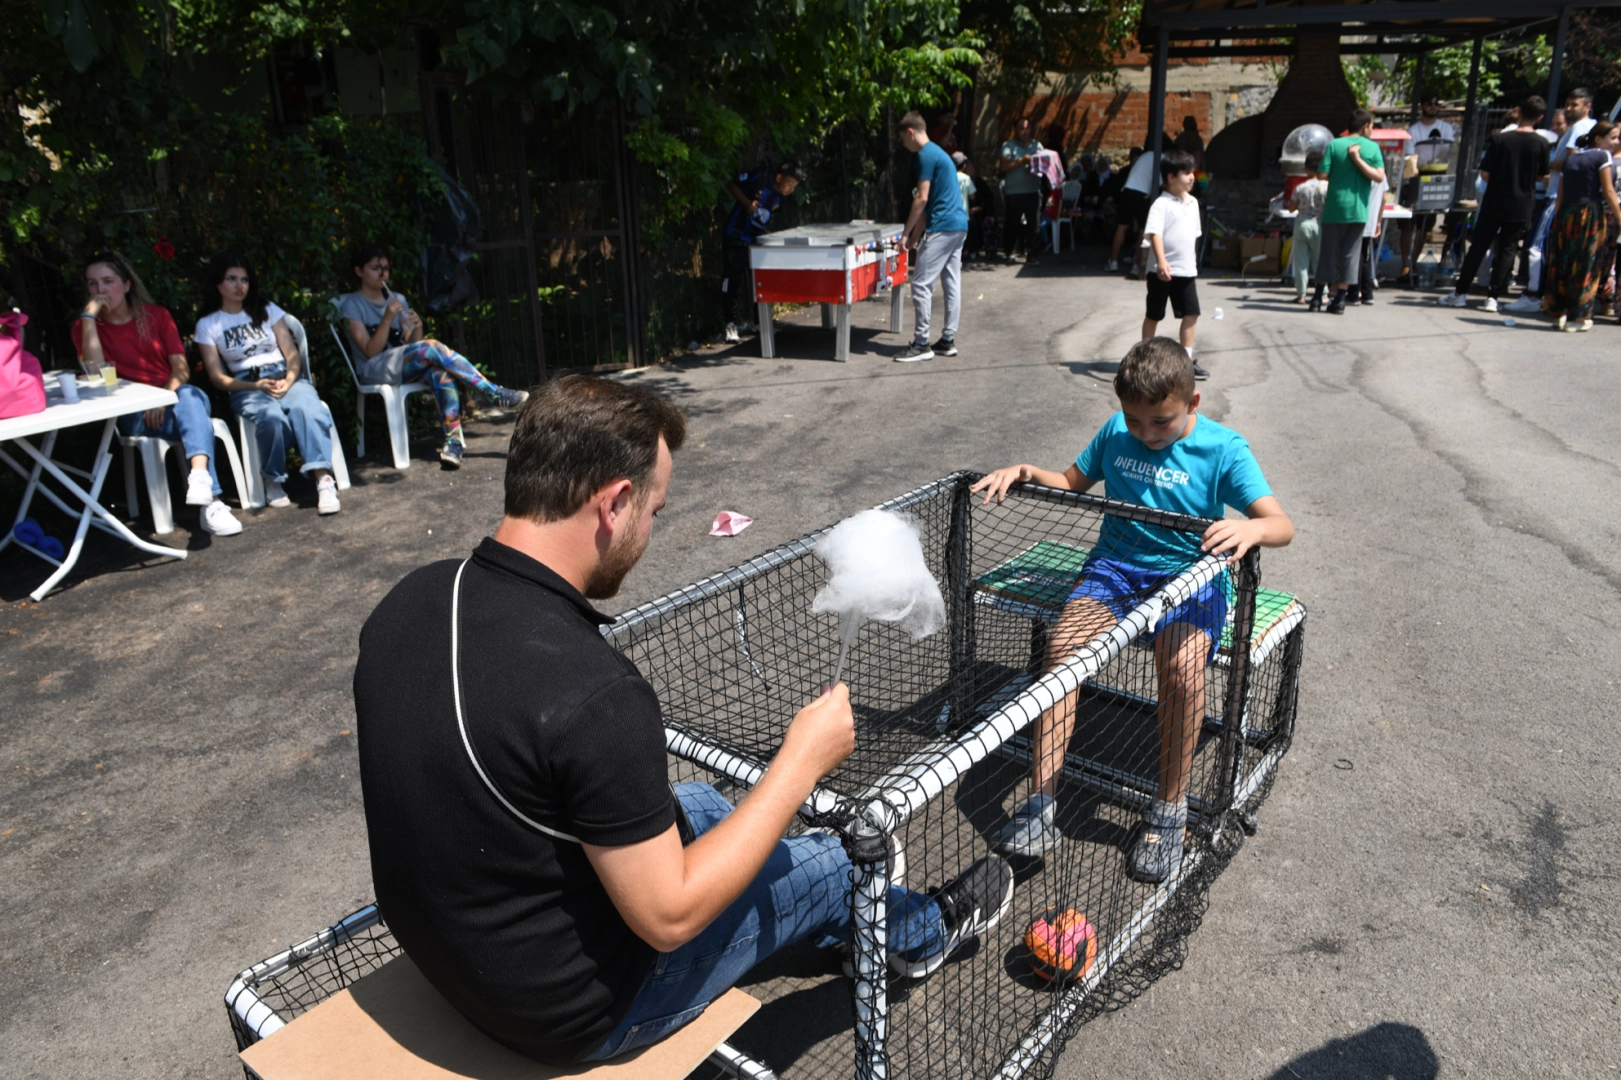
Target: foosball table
831, 265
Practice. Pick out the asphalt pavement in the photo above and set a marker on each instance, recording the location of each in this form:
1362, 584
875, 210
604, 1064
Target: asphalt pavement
1426, 896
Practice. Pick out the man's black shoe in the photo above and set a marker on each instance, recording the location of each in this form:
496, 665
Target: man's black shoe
1336, 306
945, 347
1200, 373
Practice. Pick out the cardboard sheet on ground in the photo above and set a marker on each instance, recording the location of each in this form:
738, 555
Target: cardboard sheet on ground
392, 1024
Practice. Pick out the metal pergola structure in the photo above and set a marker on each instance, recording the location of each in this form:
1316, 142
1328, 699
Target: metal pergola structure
1187, 29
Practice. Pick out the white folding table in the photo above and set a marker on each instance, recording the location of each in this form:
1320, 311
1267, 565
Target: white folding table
93, 405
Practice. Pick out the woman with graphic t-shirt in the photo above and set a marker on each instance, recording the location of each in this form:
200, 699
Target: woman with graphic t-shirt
248, 352
121, 326
388, 335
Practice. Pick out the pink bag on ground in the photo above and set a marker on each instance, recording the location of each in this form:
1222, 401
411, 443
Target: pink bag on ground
22, 382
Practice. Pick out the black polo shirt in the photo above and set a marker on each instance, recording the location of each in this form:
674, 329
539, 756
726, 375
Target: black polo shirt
510, 924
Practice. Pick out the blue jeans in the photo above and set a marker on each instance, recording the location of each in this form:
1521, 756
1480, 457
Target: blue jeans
802, 892
300, 412
189, 422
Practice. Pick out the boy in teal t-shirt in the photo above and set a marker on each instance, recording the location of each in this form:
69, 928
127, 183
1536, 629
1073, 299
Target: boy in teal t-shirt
1354, 164
1157, 451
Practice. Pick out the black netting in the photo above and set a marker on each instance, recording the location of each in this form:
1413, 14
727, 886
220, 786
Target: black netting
946, 734
945, 739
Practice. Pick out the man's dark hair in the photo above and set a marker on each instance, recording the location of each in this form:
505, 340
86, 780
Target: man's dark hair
914, 121
1360, 119
578, 433
365, 253
1581, 93
1154, 370
1174, 161
1532, 109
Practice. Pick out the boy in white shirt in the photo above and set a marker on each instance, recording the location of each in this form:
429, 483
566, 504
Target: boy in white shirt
1173, 232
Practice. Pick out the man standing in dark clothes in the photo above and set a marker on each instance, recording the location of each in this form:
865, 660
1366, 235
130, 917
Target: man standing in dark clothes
756, 196
1516, 161
528, 851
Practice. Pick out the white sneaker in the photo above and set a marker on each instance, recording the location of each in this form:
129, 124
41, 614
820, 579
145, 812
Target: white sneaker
1559, 324
1587, 324
731, 336
199, 488
274, 495
1455, 300
1112, 266
217, 519
1525, 305
326, 496
1490, 306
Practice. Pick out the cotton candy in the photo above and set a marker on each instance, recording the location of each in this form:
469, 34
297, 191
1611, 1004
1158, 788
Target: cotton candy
877, 572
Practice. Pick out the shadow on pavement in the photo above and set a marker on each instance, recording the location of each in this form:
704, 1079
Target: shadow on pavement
1385, 1051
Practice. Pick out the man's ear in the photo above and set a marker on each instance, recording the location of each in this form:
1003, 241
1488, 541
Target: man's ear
613, 502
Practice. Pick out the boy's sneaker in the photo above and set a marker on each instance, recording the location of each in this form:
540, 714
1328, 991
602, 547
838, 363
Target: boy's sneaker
730, 335
1559, 324
1490, 306
508, 399
1199, 373
275, 496
969, 905
1587, 324
326, 496
199, 488
1112, 266
1157, 854
216, 518
945, 347
1455, 300
450, 455
914, 352
1525, 305
1033, 831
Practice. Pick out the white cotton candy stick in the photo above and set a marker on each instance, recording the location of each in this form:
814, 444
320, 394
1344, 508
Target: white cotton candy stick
877, 571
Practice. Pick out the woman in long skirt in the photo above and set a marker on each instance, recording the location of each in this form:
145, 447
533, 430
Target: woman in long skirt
1587, 197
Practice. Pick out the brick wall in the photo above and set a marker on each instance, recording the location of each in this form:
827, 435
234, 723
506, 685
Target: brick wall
1111, 122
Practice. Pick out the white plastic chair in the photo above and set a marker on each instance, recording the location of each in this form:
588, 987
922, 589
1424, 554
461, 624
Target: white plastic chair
255, 492
1070, 199
153, 450
393, 398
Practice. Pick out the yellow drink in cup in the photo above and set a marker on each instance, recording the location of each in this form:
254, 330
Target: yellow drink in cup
109, 375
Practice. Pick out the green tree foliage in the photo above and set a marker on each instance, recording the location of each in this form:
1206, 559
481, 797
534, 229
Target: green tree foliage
1025, 38
707, 83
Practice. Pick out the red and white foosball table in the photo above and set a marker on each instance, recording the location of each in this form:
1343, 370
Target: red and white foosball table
831, 265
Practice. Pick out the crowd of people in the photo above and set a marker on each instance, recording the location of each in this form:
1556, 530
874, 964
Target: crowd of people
248, 353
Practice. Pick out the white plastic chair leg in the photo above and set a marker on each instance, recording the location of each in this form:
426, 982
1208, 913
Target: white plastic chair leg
132, 492
255, 491
153, 452
222, 433
398, 437
340, 466
360, 424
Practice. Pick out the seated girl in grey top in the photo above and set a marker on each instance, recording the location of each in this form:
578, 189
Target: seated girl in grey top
387, 337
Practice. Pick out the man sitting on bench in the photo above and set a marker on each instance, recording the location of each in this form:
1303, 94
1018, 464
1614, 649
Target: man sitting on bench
527, 849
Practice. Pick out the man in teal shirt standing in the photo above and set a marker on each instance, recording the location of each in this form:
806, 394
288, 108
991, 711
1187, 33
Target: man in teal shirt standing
1353, 164
936, 227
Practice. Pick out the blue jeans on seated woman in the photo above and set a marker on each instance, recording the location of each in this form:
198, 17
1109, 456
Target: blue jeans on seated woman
189, 422
802, 892
301, 412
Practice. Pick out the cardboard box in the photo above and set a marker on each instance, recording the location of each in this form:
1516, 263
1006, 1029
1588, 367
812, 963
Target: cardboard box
1270, 248
1221, 253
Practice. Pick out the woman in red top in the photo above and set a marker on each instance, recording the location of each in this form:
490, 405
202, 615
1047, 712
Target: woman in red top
121, 326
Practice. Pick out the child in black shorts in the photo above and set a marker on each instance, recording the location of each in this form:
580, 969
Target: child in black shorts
1173, 232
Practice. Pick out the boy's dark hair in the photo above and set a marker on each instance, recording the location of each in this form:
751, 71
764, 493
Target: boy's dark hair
1360, 118
1532, 109
365, 253
790, 168
1314, 161
1173, 162
913, 120
578, 433
218, 267
1154, 370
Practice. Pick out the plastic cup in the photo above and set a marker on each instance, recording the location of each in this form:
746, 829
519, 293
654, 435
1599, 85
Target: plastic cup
1218, 314
109, 375
1508, 322
69, 382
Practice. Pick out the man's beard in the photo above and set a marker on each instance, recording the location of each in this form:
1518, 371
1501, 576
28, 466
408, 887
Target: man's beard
621, 556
